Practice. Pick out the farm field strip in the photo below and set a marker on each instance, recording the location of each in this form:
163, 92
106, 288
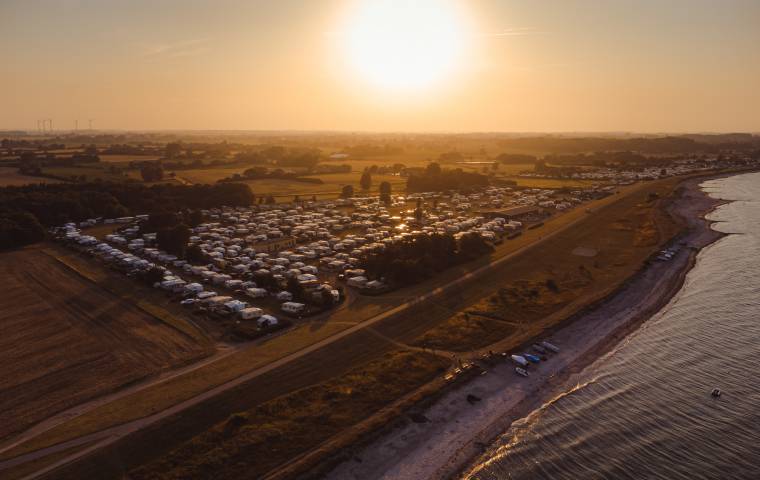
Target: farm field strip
108, 342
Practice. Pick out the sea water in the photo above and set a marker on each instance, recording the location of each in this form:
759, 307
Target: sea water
645, 410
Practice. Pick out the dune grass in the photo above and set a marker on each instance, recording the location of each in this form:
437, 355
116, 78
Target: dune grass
251, 443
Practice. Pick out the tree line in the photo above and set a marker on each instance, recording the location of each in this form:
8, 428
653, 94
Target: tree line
420, 257
435, 179
27, 210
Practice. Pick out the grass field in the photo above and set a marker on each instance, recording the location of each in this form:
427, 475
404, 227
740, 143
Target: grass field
251, 443
9, 176
331, 186
66, 340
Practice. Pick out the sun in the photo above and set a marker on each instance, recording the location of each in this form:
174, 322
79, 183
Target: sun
405, 45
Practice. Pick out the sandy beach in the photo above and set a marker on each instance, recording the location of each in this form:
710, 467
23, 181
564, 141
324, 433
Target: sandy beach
457, 432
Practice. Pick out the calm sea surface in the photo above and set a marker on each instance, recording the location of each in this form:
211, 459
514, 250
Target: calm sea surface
645, 410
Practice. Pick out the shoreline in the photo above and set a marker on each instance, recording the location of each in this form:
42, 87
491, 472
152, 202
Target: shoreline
458, 434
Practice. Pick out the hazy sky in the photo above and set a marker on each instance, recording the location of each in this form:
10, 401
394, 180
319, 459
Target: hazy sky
564, 65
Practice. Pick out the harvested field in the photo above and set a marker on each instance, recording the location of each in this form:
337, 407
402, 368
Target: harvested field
65, 340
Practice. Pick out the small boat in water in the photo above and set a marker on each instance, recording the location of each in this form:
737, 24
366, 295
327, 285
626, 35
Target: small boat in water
521, 371
716, 392
550, 347
539, 348
520, 360
532, 358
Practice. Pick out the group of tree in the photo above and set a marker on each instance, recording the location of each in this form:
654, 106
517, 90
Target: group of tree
385, 193
420, 257
260, 172
28, 158
280, 156
366, 180
18, 227
555, 171
152, 171
565, 145
172, 234
55, 204
450, 157
128, 149
435, 179
172, 150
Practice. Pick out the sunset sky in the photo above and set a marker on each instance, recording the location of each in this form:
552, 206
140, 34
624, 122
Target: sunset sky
388, 65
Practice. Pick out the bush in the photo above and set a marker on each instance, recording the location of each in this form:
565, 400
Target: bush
18, 228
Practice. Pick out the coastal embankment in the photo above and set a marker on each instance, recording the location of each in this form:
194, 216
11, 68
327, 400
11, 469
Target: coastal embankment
456, 431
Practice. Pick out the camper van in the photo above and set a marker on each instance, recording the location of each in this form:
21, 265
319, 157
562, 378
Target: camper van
293, 308
250, 313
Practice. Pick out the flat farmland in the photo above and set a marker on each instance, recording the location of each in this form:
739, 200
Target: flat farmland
66, 340
89, 173
332, 182
108, 158
9, 177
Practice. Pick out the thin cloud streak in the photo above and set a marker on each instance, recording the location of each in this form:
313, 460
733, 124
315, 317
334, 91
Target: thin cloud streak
185, 48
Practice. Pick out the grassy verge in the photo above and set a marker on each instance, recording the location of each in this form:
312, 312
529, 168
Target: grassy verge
251, 443
463, 331
552, 282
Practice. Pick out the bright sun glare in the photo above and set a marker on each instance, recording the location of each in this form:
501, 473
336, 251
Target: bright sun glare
405, 44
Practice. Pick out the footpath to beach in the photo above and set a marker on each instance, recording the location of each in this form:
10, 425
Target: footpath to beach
458, 431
